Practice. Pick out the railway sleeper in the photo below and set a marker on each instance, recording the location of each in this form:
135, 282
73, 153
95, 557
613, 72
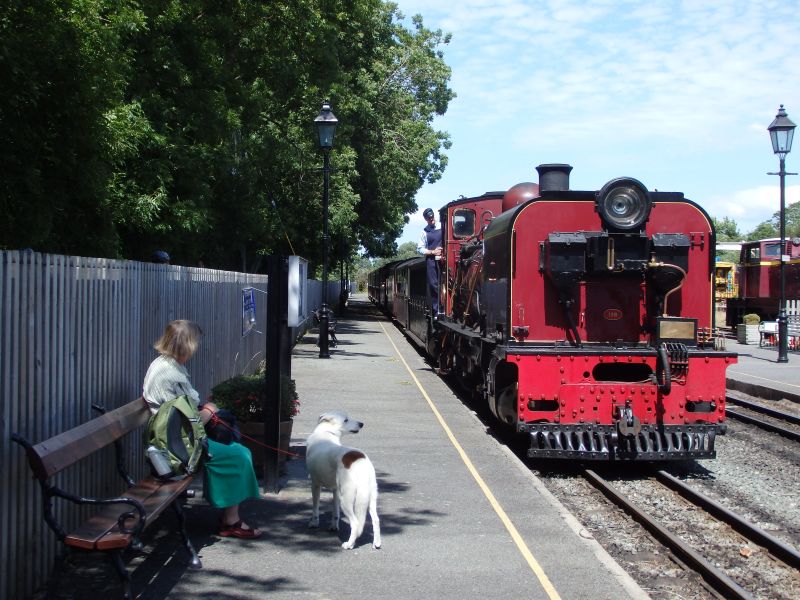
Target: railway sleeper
604, 442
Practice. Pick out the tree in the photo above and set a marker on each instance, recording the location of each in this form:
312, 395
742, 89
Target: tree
63, 66
406, 250
762, 231
771, 228
397, 149
187, 126
727, 230
363, 265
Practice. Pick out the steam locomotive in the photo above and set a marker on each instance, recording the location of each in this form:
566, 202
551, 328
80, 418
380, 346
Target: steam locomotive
584, 319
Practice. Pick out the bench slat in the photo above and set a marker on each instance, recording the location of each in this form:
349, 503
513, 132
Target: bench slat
56, 454
101, 532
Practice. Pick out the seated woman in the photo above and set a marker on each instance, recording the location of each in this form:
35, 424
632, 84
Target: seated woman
229, 476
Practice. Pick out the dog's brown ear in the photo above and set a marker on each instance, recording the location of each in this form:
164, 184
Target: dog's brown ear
325, 417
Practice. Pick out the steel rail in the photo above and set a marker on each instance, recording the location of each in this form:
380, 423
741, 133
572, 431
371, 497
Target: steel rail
792, 435
752, 532
715, 578
764, 410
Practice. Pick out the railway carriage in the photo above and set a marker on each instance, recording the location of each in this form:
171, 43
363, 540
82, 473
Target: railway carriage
585, 319
758, 275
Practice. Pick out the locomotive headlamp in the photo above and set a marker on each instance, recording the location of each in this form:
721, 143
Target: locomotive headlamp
624, 204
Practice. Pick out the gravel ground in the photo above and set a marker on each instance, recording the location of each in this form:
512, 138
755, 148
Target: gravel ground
755, 474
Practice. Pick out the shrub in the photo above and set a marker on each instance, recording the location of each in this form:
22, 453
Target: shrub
244, 395
751, 319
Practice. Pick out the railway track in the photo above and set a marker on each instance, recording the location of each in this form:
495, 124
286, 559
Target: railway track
707, 567
784, 423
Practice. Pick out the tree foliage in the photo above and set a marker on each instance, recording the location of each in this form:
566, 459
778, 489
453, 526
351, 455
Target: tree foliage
727, 229
771, 228
130, 126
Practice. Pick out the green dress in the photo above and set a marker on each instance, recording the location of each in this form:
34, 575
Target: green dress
229, 477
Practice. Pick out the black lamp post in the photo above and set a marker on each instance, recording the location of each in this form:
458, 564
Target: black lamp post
326, 128
781, 131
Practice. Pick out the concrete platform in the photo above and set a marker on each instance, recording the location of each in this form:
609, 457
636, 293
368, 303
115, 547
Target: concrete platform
461, 516
759, 373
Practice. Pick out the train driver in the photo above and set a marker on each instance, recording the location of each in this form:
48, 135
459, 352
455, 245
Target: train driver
430, 246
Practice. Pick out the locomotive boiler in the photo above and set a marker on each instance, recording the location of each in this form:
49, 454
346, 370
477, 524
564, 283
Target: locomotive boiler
585, 319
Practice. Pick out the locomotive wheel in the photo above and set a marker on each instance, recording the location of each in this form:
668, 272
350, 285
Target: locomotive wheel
432, 346
505, 408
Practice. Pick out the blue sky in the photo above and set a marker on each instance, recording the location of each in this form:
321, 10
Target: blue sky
676, 94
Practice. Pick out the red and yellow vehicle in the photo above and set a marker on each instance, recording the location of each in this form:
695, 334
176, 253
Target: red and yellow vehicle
585, 319
759, 279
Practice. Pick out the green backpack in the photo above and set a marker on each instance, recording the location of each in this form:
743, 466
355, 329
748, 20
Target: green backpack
176, 439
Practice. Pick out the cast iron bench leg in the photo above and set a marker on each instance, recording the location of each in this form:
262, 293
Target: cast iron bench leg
124, 577
194, 562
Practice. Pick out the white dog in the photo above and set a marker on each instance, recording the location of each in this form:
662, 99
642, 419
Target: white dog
346, 471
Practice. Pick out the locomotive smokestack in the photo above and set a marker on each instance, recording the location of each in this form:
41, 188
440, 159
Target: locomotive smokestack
553, 177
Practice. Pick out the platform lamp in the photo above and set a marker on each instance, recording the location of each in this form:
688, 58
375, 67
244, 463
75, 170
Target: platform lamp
781, 131
326, 123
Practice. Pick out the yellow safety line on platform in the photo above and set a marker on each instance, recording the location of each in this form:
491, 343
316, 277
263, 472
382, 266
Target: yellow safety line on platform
523, 548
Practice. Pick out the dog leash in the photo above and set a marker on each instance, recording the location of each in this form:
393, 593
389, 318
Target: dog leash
216, 421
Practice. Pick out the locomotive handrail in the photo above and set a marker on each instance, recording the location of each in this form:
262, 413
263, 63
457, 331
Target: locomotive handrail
477, 235
663, 359
662, 265
572, 326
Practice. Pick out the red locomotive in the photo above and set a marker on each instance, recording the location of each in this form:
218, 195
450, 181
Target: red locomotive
758, 274
585, 319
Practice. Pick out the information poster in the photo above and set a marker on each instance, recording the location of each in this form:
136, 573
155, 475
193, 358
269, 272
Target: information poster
298, 291
248, 311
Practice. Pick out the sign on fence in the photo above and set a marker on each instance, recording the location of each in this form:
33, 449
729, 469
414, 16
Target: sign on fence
298, 291
248, 311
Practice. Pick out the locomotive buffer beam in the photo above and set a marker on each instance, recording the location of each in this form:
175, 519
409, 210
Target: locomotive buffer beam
604, 442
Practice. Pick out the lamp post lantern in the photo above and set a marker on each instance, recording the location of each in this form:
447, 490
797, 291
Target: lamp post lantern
781, 132
326, 123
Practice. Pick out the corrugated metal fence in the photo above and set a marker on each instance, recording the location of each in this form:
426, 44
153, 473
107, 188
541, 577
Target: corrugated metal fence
79, 331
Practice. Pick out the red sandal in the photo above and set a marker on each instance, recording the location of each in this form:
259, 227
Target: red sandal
236, 530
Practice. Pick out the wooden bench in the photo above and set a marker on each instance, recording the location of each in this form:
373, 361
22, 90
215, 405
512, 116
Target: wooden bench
768, 332
332, 341
119, 520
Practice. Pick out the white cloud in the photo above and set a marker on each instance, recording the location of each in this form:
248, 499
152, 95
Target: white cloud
749, 208
675, 93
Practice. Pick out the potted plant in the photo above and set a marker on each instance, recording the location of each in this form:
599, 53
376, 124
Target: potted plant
747, 330
244, 395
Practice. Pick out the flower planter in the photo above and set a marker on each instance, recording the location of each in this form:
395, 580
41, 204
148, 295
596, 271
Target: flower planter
256, 432
747, 334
